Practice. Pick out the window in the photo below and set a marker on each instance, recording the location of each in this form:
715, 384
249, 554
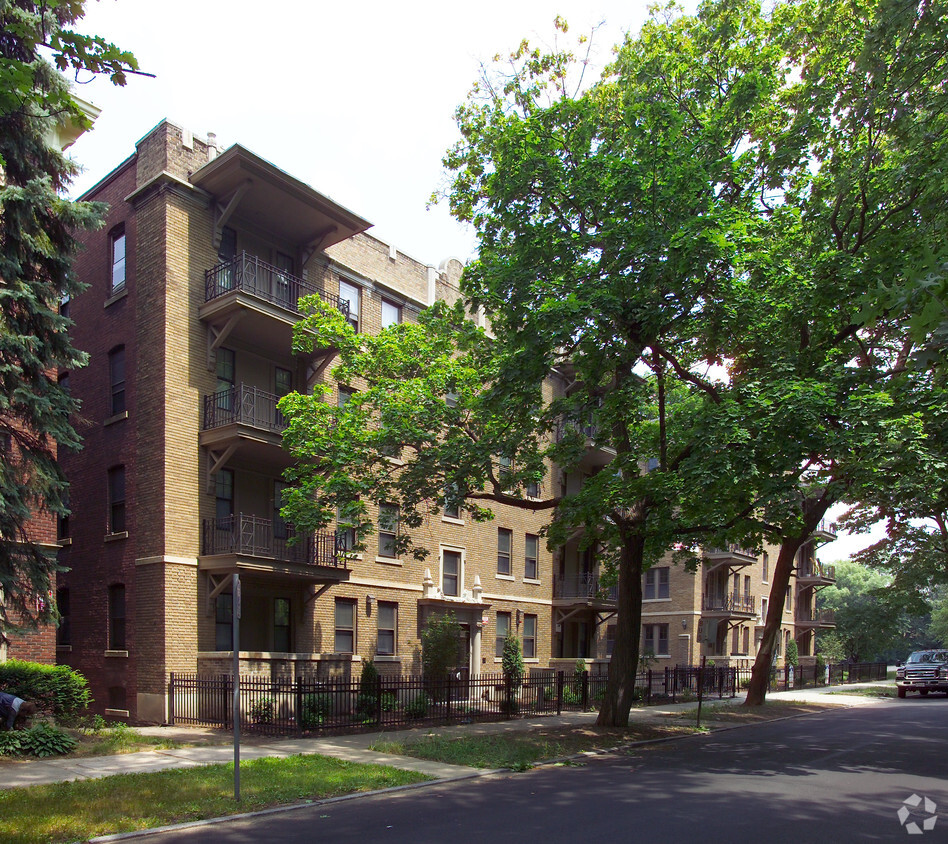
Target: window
746, 642
533, 489
388, 530
348, 292
344, 397
452, 507
763, 610
735, 640
451, 574
64, 306
503, 631
63, 632
531, 569
282, 381
656, 584
224, 626
281, 625
116, 499
788, 604
766, 575
226, 253
747, 586
224, 394
64, 382
283, 281
117, 249
387, 621
345, 533
117, 698
224, 492
529, 637
504, 537
62, 520
345, 626
117, 380
117, 617
610, 639
391, 313
656, 639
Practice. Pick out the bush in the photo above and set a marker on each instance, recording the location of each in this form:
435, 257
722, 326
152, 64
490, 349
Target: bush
512, 659
56, 689
439, 646
261, 710
316, 709
368, 688
389, 702
42, 740
417, 706
793, 653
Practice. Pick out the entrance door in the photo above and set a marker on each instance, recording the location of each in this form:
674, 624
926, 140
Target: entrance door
464, 657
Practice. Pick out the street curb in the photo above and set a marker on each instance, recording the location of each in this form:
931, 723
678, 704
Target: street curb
328, 801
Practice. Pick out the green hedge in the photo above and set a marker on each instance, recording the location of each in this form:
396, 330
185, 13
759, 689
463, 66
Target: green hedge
56, 689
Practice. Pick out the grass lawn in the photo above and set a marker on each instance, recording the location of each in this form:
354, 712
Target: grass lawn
868, 691
76, 811
722, 714
519, 750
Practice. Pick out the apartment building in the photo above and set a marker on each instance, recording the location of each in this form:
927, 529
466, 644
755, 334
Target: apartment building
192, 295
193, 290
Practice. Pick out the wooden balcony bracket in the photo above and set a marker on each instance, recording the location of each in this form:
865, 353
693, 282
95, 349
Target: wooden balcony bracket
216, 337
313, 593
215, 585
215, 461
223, 213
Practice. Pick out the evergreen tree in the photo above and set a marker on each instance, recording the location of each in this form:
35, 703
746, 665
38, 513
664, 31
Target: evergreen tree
37, 225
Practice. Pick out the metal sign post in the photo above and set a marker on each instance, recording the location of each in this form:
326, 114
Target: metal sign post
236, 623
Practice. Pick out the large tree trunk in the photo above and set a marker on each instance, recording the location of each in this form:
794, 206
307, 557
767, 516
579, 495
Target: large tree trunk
813, 512
624, 664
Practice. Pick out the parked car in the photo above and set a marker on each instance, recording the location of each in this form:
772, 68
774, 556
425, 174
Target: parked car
923, 672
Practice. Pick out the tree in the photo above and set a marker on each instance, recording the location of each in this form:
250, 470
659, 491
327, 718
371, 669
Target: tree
868, 622
857, 220
439, 647
36, 246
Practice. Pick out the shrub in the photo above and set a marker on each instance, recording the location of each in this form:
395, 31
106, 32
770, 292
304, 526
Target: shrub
56, 689
793, 653
261, 710
580, 668
417, 706
316, 709
42, 740
368, 688
389, 702
439, 646
512, 659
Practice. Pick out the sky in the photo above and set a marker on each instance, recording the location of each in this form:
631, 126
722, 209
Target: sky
357, 101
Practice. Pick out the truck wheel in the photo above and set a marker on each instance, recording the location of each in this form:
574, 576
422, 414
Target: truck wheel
923, 692
901, 692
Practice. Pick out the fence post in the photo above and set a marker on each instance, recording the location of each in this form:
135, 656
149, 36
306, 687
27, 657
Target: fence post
225, 701
171, 700
378, 700
648, 690
559, 692
585, 687
299, 705
508, 694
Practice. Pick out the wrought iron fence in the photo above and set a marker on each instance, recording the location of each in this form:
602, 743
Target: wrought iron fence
243, 405
582, 586
248, 274
787, 678
254, 536
311, 705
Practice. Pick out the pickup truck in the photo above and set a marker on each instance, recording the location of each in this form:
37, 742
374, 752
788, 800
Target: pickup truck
923, 672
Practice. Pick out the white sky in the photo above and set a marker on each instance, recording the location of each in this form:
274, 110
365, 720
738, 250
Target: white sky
358, 101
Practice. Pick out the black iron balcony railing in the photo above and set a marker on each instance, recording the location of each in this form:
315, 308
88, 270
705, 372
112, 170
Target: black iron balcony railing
826, 529
807, 616
583, 586
254, 536
814, 570
735, 602
248, 274
585, 428
733, 548
243, 405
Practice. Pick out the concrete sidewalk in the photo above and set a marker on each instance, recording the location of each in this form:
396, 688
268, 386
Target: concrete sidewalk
353, 747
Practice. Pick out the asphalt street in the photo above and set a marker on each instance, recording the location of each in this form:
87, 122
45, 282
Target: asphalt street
837, 776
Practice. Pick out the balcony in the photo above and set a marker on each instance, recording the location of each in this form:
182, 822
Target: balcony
251, 543
814, 573
597, 454
583, 589
815, 618
247, 418
250, 299
826, 531
729, 604
731, 555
